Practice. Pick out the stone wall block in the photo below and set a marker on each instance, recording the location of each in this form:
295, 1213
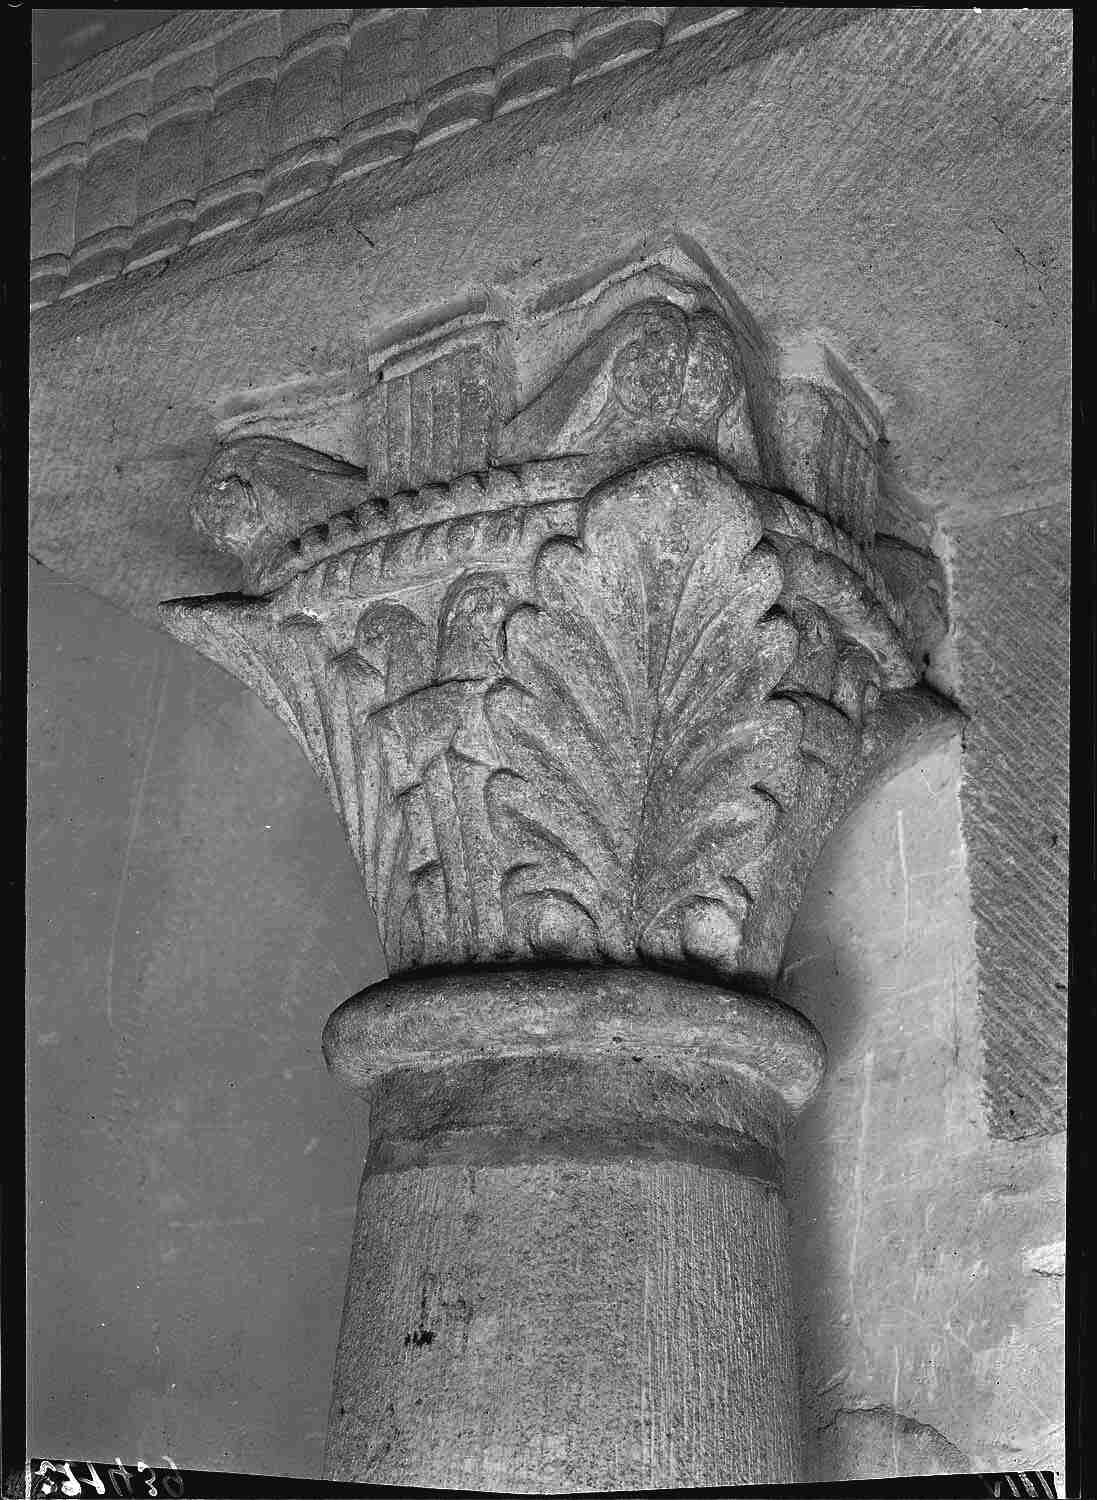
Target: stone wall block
52, 230
612, 36
66, 131
306, 111
380, 89
174, 157
519, 25
459, 50
235, 163
106, 204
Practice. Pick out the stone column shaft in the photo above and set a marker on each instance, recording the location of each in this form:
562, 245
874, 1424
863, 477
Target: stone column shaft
561, 1325
569, 1265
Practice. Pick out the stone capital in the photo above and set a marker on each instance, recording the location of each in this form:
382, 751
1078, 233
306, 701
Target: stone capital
591, 657
600, 705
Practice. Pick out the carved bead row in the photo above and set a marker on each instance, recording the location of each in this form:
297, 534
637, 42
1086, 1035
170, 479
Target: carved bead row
433, 516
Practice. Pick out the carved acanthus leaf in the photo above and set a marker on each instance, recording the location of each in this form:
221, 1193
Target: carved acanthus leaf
648, 759
604, 697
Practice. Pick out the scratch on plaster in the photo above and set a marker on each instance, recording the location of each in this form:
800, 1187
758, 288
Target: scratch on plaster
836, 1379
910, 989
799, 962
957, 1338
646, 1375
993, 1360
214, 1223
905, 873
858, 1183
135, 817
934, 793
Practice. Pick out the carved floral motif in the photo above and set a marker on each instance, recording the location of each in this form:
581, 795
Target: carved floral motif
602, 705
586, 728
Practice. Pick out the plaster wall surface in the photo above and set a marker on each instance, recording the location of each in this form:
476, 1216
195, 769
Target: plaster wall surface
194, 912
930, 1253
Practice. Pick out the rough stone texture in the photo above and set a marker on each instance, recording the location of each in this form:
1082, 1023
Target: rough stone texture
1012, 582
601, 708
897, 180
226, 960
604, 704
288, 100
927, 1255
569, 1266
566, 1326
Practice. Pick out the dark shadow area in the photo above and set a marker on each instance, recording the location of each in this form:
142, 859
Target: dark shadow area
62, 38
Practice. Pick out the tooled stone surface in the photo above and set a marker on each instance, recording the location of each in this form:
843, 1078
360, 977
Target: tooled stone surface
217, 117
685, 369
599, 706
1013, 641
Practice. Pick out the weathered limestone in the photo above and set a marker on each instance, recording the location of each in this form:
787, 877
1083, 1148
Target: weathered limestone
898, 181
588, 713
233, 114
